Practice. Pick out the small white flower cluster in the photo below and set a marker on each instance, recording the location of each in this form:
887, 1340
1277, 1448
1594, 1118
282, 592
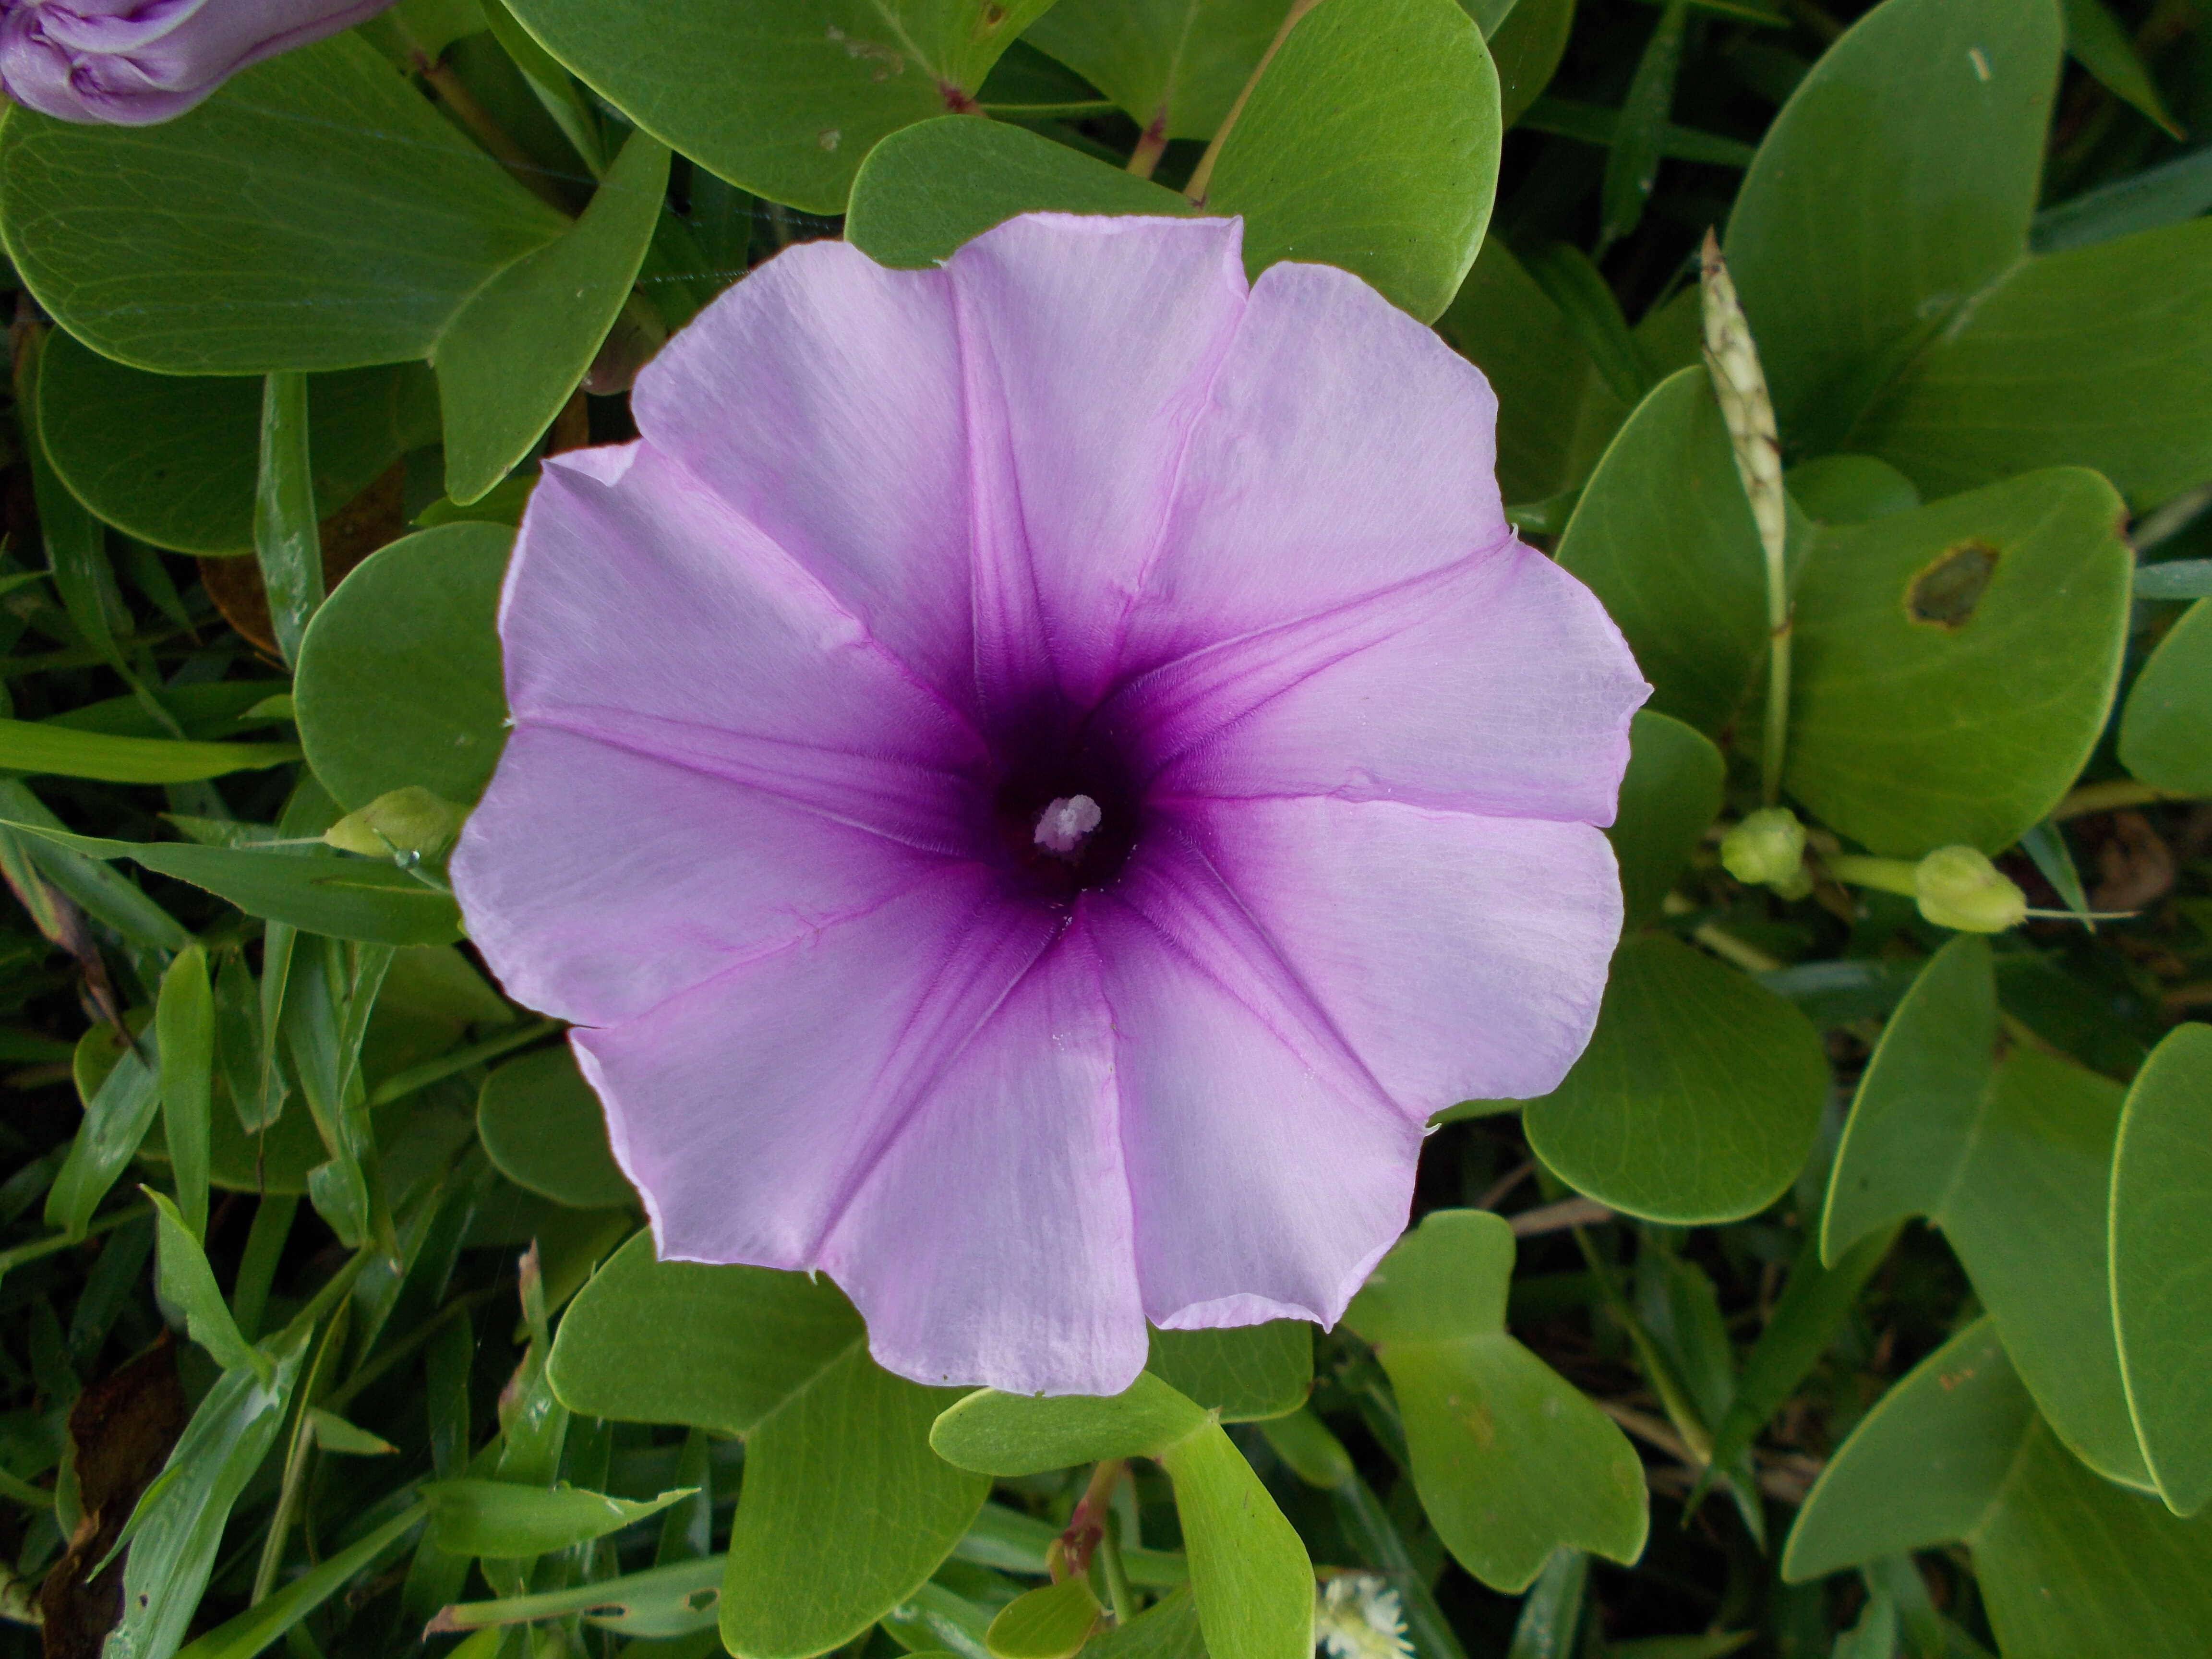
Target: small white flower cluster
1357, 1616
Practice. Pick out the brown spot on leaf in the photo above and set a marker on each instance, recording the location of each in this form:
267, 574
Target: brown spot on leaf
1944, 594
121, 1429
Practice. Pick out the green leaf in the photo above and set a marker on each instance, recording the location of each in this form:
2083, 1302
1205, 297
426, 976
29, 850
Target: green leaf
717, 1347
1839, 489
1527, 48
184, 1030
1896, 183
181, 1520
2012, 1160
260, 1625
184, 1280
2164, 195
1011, 1434
1174, 66
116, 1115
2161, 1297
1556, 411
1631, 163
503, 1518
1510, 1461
43, 749
512, 355
932, 186
287, 534
2165, 730
662, 1601
1244, 1374
1955, 664
316, 213
542, 1127
2100, 45
1370, 142
399, 675
1552, 1612
2177, 579
783, 97
334, 1434
1669, 797
341, 897
1051, 1622
1249, 1570
845, 1511
2068, 1565
2099, 357
172, 458
1664, 538
1167, 1629
1698, 1098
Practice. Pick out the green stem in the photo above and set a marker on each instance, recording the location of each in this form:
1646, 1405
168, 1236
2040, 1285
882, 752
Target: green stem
54, 1243
1202, 174
1119, 1595
286, 535
400, 1085
1883, 875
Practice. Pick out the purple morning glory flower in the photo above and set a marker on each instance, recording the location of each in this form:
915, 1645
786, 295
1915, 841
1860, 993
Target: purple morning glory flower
131, 62
1037, 778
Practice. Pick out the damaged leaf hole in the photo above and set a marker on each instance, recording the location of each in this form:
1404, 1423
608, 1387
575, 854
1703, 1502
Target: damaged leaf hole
1944, 594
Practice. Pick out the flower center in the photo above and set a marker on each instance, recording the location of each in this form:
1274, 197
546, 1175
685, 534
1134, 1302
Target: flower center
1061, 827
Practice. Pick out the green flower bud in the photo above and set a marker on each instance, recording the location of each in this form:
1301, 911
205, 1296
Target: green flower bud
1767, 849
406, 824
1958, 887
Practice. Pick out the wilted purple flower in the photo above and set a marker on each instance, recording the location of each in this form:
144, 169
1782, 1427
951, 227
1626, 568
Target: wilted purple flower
1039, 776
136, 61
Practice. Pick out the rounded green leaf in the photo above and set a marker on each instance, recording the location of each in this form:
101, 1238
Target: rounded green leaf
541, 1125
1664, 538
1896, 183
1850, 489
1013, 1434
930, 187
172, 458
514, 355
1669, 797
1955, 664
783, 97
1174, 66
1249, 1572
844, 1514
316, 213
1698, 1098
2161, 1290
1370, 142
1049, 1623
398, 679
2165, 730
1512, 1461
1245, 1373
711, 1347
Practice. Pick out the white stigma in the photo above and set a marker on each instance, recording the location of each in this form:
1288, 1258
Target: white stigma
1061, 826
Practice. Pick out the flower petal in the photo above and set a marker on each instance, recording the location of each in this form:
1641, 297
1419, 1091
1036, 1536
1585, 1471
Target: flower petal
990, 1242
750, 1109
1268, 1169
1497, 685
1460, 958
820, 398
1345, 449
599, 882
1090, 347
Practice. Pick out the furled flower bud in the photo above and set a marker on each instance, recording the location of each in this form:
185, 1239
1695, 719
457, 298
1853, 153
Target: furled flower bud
1767, 849
1958, 887
133, 62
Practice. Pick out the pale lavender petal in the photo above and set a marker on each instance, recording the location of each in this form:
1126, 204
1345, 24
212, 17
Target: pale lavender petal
599, 882
749, 1110
992, 1241
1460, 958
820, 398
1347, 449
147, 60
1076, 470
1497, 685
1268, 1167
720, 653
